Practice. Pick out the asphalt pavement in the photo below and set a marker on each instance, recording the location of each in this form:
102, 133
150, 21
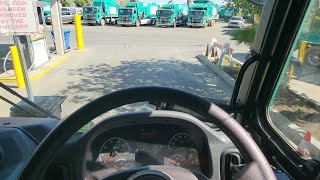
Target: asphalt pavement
115, 58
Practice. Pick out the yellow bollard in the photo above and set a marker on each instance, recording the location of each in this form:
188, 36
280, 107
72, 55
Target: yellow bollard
291, 72
17, 66
302, 50
78, 27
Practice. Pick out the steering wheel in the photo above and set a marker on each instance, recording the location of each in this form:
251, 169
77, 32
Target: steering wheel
257, 165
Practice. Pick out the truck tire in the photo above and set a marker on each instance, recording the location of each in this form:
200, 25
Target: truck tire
102, 22
137, 23
312, 56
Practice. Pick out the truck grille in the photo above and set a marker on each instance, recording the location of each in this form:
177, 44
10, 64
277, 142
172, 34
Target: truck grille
163, 19
195, 19
125, 18
89, 16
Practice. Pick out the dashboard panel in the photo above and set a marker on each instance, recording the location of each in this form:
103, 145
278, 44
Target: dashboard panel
139, 145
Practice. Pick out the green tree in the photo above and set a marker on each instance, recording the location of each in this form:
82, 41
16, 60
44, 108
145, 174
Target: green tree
65, 3
245, 35
81, 3
244, 6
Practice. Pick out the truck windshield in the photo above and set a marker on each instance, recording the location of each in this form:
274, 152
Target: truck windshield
89, 10
164, 12
125, 11
196, 13
236, 18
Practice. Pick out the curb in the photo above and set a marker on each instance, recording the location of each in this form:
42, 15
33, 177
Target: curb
302, 96
223, 75
38, 75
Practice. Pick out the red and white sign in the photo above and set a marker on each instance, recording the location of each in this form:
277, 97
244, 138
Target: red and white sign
18, 17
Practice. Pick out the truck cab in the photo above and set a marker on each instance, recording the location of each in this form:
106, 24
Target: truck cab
137, 13
101, 12
202, 14
172, 15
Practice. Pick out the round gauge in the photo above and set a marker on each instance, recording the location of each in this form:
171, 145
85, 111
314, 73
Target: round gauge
181, 140
176, 160
113, 150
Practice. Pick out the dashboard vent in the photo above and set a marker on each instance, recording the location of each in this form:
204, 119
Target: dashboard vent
228, 160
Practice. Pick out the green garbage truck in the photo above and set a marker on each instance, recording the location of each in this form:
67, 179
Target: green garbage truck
101, 12
202, 13
172, 15
137, 13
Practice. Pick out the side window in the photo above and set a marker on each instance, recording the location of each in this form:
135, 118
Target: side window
295, 108
68, 13
63, 13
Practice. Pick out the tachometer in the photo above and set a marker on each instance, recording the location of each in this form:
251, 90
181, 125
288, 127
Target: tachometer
114, 154
181, 140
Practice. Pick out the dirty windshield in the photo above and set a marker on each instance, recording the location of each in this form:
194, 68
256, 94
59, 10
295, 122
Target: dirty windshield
164, 12
125, 11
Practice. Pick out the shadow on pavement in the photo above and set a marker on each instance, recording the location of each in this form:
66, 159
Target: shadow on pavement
96, 80
227, 31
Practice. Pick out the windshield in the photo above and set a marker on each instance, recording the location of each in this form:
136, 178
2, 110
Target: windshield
196, 13
164, 12
125, 11
236, 18
89, 10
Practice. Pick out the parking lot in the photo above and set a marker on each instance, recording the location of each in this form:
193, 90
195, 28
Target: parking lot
120, 57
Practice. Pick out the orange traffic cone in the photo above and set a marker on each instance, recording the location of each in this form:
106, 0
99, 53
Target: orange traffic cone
304, 146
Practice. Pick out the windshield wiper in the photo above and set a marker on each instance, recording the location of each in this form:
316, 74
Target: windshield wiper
36, 107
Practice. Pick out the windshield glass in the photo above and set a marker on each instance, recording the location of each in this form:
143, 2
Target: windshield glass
125, 11
295, 107
89, 10
164, 12
196, 13
118, 56
236, 18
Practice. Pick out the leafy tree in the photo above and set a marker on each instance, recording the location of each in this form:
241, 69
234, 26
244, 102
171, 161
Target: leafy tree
65, 3
81, 3
245, 35
245, 6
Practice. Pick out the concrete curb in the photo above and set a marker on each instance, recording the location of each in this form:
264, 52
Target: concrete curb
303, 96
223, 75
47, 68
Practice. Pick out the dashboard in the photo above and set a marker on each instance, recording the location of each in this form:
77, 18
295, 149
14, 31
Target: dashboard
141, 145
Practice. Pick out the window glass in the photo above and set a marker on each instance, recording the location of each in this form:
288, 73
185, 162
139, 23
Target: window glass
295, 108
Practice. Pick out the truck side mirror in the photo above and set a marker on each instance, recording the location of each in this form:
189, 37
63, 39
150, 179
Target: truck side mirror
134, 11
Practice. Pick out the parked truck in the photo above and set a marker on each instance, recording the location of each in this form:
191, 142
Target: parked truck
101, 12
202, 13
137, 13
172, 15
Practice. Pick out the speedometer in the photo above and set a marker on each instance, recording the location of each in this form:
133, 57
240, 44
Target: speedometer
114, 154
180, 140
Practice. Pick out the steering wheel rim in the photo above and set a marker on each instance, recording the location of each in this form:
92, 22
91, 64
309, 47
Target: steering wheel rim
257, 167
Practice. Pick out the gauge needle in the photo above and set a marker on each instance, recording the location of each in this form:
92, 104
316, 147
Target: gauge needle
111, 155
172, 162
